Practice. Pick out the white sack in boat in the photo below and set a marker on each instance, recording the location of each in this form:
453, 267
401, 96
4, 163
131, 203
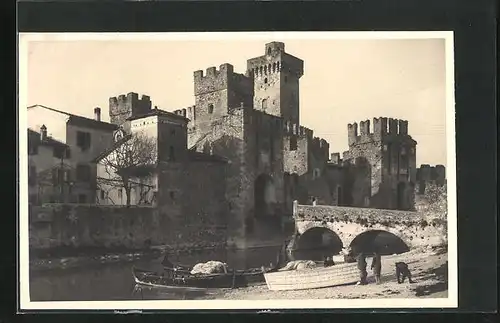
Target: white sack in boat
299, 265
209, 267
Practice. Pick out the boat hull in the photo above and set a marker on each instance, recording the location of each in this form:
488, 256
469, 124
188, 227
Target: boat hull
320, 277
181, 279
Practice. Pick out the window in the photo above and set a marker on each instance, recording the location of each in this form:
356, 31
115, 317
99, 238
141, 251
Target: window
60, 152
293, 143
389, 158
172, 132
210, 108
264, 104
32, 175
66, 176
82, 198
172, 153
269, 51
172, 195
83, 173
102, 194
83, 140
55, 174
265, 80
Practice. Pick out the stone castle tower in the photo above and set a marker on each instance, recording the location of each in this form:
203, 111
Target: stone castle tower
276, 82
385, 157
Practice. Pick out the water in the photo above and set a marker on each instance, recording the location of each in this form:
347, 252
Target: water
107, 282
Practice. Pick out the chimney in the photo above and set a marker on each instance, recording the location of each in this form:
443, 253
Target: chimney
43, 132
97, 114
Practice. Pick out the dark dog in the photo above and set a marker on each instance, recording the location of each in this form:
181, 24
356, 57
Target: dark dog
402, 272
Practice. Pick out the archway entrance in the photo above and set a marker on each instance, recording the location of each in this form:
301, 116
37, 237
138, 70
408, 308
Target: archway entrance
384, 242
316, 243
265, 196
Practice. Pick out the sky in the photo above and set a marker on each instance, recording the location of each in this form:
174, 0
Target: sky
345, 80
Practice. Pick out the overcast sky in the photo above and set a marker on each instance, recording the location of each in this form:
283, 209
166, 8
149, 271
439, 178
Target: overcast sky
344, 80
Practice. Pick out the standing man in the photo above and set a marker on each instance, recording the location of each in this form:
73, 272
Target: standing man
376, 266
362, 269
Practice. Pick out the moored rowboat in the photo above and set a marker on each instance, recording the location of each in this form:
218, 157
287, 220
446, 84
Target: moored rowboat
319, 277
341, 274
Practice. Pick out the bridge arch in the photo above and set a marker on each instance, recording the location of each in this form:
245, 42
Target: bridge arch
317, 242
383, 241
264, 195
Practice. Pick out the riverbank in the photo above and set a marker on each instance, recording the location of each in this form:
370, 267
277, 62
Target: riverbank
429, 269
65, 258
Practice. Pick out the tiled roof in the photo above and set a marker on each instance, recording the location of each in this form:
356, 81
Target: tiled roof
81, 121
158, 112
34, 138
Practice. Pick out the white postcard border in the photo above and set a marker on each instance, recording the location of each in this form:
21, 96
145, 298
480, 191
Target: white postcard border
26, 304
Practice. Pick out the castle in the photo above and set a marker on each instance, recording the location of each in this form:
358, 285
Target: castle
241, 155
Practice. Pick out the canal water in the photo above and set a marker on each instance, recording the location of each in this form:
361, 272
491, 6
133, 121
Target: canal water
108, 282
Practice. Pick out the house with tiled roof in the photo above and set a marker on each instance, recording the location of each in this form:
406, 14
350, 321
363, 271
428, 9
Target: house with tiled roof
61, 148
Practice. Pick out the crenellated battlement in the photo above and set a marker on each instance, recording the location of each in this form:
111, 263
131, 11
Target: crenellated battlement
131, 98
275, 60
381, 127
181, 112
320, 148
125, 106
427, 173
290, 128
219, 79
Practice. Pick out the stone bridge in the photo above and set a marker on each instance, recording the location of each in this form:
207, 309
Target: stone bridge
347, 226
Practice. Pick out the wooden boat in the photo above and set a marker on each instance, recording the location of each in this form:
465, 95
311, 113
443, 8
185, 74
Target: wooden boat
341, 274
319, 277
183, 279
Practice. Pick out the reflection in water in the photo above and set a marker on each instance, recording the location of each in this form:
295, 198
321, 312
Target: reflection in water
115, 282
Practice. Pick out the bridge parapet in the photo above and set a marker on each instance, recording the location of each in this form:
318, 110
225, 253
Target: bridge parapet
414, 228
351, 214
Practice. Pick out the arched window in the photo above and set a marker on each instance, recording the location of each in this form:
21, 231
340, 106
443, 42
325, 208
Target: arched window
269, 51
210, 108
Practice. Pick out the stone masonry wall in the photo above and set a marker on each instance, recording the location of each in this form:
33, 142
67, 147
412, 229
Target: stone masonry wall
59, 225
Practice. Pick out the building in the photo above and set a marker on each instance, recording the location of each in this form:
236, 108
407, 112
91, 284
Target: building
61, 149
430, 175
252, 122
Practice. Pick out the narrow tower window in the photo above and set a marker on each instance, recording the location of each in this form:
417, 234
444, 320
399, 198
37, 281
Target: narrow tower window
269, 51
293, 143
172, 153
210, 108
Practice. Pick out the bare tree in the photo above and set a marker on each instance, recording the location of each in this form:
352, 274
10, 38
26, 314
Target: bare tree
134, 157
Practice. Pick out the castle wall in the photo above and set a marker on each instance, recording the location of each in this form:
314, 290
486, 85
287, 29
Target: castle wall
125, 106
430, 175
390, 154
60, 225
